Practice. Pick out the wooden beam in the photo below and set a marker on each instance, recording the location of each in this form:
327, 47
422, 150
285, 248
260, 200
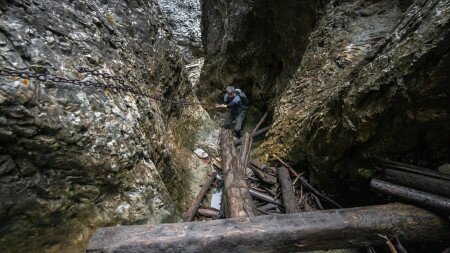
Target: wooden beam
265, 197
431, 201
287, 191
245, 152
238, 201
260, 122
263, 176
253, 135
208, 213
306, 231
305, 183
414, 169
420, 182
190, 213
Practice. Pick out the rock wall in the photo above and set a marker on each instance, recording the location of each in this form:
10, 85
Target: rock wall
348, 81
255, 45
373, 82
73, 158
183, 18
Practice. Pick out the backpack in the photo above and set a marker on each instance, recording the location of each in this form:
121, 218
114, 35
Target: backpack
243, 97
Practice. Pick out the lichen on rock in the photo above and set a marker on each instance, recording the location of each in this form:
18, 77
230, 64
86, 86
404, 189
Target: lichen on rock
73, 158
370, 84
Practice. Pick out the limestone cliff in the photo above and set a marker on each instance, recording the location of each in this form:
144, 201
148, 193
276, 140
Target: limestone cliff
73, 158
372, 83
255, 45
349, 80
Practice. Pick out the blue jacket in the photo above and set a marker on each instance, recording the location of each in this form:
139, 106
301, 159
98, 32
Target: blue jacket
235, 105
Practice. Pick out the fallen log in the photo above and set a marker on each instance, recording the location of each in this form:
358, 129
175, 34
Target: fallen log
262, 167
208, 213
272, 192
286, 165
287, 191
257, 189
431, 201
420, 182
253, 135
265, 197
317, 201
238, 201
317, 230
264, 177
190, 213
268, 207
245, 152
414, 169
305, 183
260, 122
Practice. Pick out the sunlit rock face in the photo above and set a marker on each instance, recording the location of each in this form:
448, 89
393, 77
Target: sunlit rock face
73, 158
373, 82
183, 17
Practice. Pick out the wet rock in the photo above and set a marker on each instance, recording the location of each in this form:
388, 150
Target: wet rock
73, 158
372, 83
183, 18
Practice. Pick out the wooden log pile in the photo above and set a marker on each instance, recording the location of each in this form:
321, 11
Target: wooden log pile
413, 184
295, 232
251, 189
274, 190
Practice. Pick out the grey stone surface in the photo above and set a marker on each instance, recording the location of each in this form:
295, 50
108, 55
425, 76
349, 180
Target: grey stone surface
183, 18
73, 158
372, 83
255, 45
346, 81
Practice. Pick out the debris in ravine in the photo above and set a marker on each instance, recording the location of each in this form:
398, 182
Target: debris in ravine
201, 153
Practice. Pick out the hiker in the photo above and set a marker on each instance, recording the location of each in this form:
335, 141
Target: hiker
236, 102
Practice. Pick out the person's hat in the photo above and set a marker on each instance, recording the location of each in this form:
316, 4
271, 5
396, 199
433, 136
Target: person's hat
230, 89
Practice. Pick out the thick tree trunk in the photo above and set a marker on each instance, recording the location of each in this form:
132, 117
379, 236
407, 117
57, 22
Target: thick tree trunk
420, 182
238, 202
431, 201
318, 230
287, 191
190, 213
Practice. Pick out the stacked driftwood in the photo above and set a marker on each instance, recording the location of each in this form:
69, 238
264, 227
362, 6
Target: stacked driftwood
413, 184
251, 188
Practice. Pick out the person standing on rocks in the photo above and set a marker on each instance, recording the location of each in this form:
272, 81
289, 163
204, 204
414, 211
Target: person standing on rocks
236, 102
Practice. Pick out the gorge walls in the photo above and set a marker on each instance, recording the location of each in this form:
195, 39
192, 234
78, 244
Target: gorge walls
73, 158
348, 81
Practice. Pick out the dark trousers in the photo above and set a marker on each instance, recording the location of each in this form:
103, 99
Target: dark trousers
239, 119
